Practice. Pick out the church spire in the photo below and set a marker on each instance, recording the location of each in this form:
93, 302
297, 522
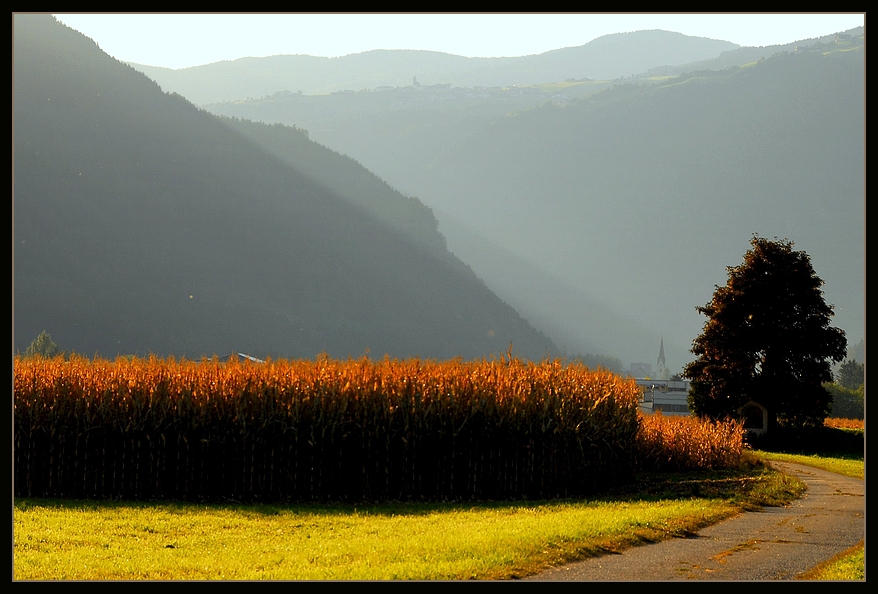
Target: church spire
663, 372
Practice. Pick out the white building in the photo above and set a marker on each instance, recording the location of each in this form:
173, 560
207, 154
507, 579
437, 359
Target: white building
670, 397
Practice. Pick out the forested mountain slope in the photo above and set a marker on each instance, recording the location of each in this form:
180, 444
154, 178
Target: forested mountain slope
145, 225
641, 195
606, 215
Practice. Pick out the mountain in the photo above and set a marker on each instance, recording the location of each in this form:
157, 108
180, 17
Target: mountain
608, 57
747, 55
393, 131
605, 213
640, 196
143, 224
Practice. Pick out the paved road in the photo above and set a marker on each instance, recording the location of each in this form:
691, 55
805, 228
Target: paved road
777, 543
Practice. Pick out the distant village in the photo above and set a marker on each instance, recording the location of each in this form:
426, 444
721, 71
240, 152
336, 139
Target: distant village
418, 93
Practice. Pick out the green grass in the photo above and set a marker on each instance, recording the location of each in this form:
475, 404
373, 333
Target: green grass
86, 540
847, 566
845, 466
78, 540
837, 450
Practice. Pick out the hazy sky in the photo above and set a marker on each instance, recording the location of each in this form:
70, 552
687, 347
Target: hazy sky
181, 40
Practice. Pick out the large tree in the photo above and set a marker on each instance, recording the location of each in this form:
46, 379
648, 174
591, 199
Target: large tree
767, 339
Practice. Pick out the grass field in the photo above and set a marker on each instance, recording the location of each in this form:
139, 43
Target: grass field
848, 467
88, 540
847, 566
78, 540
838, 447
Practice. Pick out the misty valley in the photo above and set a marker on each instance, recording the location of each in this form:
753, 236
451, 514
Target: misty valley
576, 204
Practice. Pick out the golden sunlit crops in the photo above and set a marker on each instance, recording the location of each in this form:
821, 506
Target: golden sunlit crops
678, 443
837, 423
323, 430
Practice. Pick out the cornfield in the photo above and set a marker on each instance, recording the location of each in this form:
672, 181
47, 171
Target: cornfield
322, 430
678, 443
837, 423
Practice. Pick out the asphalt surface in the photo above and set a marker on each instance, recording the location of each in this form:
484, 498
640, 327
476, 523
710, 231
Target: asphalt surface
778, 543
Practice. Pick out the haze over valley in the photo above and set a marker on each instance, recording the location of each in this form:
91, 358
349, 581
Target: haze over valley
580, 201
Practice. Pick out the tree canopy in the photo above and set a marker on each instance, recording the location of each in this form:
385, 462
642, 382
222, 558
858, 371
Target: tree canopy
851, 374
42, 346
767, 339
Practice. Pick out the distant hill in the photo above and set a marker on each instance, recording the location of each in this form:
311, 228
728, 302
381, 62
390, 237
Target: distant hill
390, 129
605, 212
393, 130
608, 57
145, 225
747, 55
641, 195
